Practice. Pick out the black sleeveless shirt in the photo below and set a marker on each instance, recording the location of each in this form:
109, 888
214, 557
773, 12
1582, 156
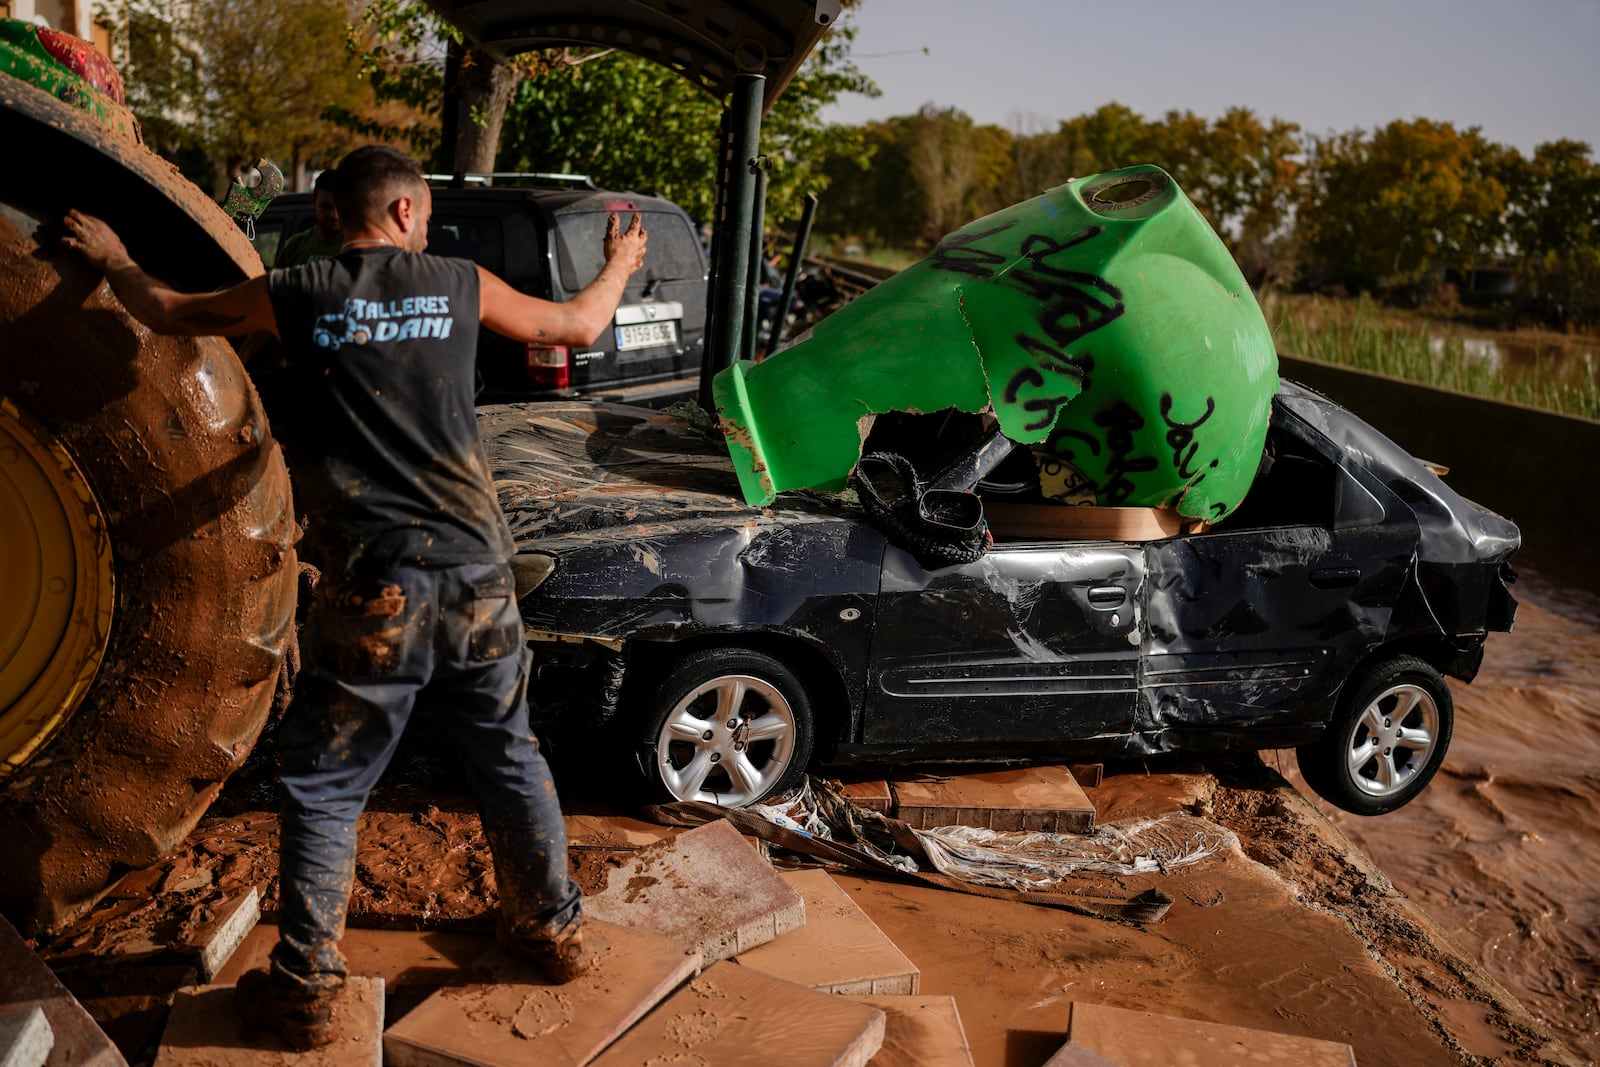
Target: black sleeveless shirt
380, 347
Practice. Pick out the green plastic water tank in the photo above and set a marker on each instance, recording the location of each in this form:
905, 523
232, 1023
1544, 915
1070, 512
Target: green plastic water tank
1103, 322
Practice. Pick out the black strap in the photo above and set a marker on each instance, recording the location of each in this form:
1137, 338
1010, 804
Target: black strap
941, 527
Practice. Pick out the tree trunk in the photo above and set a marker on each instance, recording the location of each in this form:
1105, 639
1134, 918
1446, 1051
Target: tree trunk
484, 87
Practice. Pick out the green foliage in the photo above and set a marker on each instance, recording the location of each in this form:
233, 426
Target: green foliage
398, 47
1392, 207
214, 88
630, 123
1554, 221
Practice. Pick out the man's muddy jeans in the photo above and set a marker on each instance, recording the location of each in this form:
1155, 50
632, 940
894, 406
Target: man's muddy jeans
369, 649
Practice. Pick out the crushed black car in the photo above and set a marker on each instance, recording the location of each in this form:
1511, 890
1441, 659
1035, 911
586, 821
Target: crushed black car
719, 648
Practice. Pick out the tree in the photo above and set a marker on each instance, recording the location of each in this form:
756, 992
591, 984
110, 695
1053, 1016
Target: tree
267, 79
213, 91
1393, 208
628, 122
1554, 220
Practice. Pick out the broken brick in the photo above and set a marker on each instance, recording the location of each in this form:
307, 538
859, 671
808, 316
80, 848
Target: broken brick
205, 1031
838, 950
732, 1014
1028, 798
1145, 1039
707, 889
504, 1011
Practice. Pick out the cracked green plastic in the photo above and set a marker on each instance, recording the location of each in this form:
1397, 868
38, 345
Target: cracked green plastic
1104, 323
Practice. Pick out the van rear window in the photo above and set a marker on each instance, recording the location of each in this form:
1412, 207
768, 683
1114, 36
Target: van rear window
673, 253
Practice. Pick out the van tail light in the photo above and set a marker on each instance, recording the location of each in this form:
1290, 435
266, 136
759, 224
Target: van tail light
549, 367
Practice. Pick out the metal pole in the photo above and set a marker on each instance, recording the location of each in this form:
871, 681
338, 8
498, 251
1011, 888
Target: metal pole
802, 236
719, 210
731, 241
758, 251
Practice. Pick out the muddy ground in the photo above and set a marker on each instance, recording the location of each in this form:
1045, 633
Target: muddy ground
1291, 930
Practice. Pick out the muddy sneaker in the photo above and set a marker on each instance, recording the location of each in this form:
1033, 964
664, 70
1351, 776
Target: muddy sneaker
560, 956
303, 1019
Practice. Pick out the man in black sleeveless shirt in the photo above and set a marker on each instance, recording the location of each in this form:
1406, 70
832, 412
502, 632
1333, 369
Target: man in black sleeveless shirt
416, 590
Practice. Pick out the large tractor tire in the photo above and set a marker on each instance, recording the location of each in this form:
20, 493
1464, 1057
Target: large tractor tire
147, 574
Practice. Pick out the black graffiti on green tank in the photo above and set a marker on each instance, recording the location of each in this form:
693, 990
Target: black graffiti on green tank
1071, 304
1119, 423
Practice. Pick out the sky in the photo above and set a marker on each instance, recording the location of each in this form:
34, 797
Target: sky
1526, 72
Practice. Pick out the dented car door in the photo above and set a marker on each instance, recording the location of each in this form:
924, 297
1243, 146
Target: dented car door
1032, 642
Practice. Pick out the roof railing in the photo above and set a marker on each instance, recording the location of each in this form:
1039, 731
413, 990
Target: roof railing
513, 178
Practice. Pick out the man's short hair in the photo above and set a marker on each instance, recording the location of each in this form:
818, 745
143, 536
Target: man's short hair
369, 179
324, 182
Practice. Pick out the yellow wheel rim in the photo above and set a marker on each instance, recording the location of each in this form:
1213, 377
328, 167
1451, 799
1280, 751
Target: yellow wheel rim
55, 587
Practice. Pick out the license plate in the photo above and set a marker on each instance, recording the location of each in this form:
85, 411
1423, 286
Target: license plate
646, 335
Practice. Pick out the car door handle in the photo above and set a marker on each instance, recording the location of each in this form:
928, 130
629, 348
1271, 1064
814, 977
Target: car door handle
1335, 577
1107, 596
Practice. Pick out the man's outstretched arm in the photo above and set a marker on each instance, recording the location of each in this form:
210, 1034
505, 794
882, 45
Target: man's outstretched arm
578, 321
245, 308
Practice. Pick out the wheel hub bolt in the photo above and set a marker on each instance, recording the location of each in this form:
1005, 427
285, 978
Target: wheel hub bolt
738, 746
733, 724
706, 736
1385, 724
1387, 751
716, 757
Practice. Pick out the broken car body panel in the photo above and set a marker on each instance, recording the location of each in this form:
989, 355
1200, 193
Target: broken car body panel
1103, 322
1237, 636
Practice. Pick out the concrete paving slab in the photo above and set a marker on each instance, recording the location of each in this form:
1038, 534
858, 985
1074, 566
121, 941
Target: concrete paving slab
838, 950
1075, 1055
1027, 798
732, 1016
412, 963
1145, 1039
25, 1037
204, 1031
25, 982
708, 888
615, 831
503, 1011
214, 941
874, 796
920, 1032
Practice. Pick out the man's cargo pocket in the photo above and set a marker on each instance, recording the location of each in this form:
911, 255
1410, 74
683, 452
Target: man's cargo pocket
356, 637
495, 628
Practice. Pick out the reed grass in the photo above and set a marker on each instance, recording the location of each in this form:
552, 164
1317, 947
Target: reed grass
1356, 333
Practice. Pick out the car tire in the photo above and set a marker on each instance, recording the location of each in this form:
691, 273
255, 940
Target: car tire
1386, 740
693, 753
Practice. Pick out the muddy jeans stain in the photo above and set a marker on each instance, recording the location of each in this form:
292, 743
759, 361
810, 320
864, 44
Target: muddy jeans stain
369, 652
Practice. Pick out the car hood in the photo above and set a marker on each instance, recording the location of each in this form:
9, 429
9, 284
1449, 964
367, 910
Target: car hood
590, 472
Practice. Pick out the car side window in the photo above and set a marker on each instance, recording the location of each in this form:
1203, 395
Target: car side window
1295, 486
480, 238
674, 253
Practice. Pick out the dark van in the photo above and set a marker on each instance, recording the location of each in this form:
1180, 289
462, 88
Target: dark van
545, 240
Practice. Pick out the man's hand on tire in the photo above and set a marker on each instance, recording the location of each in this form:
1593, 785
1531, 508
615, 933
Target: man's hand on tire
96, 242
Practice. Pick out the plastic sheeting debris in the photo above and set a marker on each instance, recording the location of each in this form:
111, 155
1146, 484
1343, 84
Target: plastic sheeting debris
1037, 860
1020, 860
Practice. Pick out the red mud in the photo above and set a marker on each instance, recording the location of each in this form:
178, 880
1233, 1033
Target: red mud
1291, 932
1500, 847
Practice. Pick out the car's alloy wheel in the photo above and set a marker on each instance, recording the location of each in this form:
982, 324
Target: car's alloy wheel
1393, 739
1386, 740
729, 726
